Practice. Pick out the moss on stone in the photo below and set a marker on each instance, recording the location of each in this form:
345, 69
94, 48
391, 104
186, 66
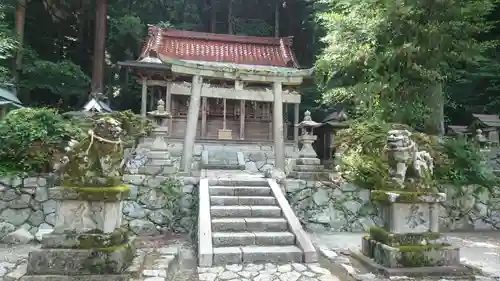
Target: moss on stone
106, 194
384, 196
416, 255
98, 240
110, 260
395, 239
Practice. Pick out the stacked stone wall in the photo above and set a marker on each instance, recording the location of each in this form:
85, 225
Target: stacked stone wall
27, 211
345, 207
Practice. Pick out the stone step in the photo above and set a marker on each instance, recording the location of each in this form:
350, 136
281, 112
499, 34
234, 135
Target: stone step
307, 161
230, 239
240, 191
221, 166
157, 170
308, 175
238, 181
245, 211
158, 155
242, 200
257, 254
159, 162
249, 224
309, 168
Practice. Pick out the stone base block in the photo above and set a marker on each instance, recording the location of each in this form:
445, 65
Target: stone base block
157, 170
308, 161
308, 175
160, 162
121, 277
411, 260
159, 155
111, 260
309, 168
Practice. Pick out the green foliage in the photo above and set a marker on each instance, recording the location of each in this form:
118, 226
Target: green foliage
63, 78
464, 164
31, 139
388, 54
457, 161
8, 46
172, 188
133, 126
127, 31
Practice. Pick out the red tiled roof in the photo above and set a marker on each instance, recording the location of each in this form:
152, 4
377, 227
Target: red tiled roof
199, 46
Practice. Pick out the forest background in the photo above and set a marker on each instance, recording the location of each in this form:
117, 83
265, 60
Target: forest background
402, 61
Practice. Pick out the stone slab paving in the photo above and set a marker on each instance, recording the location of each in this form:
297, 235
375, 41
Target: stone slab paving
13, 260
477, 249
266, 272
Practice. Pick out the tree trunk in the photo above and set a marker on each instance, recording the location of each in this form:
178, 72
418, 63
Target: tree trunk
277, 19
20, 23
213, 16
436, 99
230, 17
183, 14
99, 46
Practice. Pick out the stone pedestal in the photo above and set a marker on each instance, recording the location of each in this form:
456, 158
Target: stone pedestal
159, 161
307, 151
409, 242
308, 169
87, 242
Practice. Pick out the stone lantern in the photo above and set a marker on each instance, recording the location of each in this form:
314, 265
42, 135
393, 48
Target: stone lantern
159, 162
307, 138
160, 116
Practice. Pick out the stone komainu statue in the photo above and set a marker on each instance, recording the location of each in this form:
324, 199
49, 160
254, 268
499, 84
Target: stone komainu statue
403, 152
95, 160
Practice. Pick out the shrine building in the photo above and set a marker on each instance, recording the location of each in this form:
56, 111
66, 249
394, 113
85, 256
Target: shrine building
222, 88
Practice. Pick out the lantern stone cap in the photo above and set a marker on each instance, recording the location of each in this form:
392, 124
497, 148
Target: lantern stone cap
307, 122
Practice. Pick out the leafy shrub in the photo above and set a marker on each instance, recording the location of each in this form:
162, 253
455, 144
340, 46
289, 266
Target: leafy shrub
457, 161
132, 124
31, 139
462, 163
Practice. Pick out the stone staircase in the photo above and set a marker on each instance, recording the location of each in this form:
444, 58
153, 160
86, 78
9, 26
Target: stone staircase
248, 220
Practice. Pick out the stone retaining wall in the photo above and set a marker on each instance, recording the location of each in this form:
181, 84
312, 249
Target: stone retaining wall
345, 207
26, 211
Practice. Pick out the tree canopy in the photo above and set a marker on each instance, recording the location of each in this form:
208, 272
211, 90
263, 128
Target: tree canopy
393, 59
406, 61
